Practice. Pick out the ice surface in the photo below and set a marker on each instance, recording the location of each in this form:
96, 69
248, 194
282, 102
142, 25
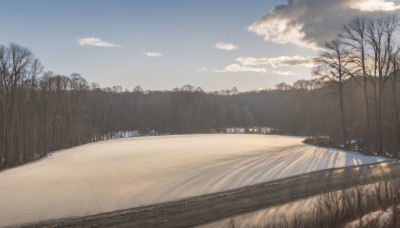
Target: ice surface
124, 173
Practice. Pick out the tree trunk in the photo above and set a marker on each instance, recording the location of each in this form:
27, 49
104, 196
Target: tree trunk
368, 114
343, 122
396, 114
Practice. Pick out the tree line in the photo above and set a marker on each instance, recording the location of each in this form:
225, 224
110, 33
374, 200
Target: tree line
367, 52
42, 112
354, 95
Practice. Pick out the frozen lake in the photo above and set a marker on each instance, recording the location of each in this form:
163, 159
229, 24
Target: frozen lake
124, 173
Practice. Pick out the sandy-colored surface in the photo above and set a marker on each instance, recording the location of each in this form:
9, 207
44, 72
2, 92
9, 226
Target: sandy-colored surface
250, 206
127, 173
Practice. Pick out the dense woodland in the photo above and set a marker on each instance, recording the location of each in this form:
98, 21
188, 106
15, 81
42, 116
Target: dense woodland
354, 95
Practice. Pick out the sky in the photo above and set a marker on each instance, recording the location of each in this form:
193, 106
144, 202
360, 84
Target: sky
163, 44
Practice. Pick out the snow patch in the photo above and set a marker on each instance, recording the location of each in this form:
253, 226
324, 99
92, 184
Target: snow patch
124, 173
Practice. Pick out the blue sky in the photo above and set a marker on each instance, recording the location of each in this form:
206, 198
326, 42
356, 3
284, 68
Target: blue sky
181, 34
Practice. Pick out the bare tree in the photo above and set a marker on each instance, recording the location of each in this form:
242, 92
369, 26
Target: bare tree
283, 86
380, 37
395, 59
332, 67
354, 37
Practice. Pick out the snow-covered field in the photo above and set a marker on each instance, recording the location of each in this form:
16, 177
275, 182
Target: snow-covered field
124, 173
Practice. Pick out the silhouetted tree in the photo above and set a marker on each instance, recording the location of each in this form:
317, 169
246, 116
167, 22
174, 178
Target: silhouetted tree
332, 67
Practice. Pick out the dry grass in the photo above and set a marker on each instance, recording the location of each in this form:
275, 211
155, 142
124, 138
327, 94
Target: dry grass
335, 209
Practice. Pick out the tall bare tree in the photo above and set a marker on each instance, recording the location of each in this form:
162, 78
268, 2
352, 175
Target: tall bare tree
395, 59
380, 36
331, 67
354, 37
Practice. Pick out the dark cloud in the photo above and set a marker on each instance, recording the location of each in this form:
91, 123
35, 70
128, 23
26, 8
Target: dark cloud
310, 23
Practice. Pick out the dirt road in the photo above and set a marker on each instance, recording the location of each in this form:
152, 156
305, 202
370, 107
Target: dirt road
203, 209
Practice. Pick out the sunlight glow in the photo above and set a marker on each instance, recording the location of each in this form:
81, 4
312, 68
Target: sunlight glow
281, 31
376, 5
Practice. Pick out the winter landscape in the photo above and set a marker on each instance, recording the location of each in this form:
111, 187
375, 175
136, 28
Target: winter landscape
235, 113
125, 173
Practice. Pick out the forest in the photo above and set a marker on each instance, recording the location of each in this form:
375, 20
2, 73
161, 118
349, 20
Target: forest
353, 95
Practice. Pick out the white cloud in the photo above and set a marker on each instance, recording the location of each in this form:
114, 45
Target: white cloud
202, 69
278, 61
310, 23
283, 73
152, 54
225, 46
376, 5
251, 64
97, 42
280, 31
236, 68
